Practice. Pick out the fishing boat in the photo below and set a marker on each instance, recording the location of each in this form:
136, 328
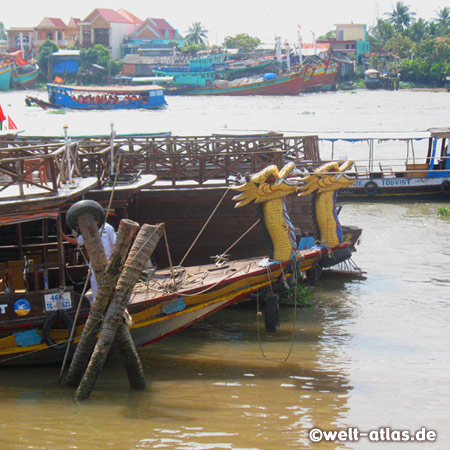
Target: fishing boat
5, 75
101, 97
321, 76
39, 292
25, 73
266, 84
392, 173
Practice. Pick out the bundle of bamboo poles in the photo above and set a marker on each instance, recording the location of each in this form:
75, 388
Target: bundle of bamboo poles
116, 279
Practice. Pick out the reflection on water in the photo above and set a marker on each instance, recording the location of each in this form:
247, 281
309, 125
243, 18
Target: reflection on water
369, 353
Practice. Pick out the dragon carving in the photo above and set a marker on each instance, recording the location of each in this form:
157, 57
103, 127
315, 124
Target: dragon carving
324, 184
268, 188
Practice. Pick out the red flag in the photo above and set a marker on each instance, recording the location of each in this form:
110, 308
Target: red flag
11, 124
58, 80
2, 116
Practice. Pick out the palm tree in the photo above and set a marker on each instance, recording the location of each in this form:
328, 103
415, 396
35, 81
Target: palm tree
196, 33
380, 34
443, 18
401, 17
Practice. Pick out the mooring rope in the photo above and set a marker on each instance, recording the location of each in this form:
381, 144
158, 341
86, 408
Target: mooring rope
204, 226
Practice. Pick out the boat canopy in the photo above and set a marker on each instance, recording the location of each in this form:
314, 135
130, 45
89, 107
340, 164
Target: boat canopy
375, 136
108, 89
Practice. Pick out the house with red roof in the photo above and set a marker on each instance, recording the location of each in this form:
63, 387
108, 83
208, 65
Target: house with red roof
107, 27
72, 32
50, 28
20, 38
151, 34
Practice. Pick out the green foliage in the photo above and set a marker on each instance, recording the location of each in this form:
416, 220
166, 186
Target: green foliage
380, 34
45, 50
3, 34
243, 42
400, 45
298, 294
444, 212
191, 48
196, 33
327, 36
401, 17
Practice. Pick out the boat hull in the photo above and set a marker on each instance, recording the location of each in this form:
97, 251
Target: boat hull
5, 76
154, 317
397, 188
284, 85
25, 80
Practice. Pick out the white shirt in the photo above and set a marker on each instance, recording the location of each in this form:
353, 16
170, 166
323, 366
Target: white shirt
108, 239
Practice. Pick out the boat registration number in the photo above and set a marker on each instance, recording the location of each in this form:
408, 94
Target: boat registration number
56, 301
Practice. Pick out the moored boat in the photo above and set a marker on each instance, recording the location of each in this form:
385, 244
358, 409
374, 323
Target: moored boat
5, 75
414, 173
267, 84
102, 97
37, 303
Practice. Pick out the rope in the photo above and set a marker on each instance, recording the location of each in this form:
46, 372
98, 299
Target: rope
205, 225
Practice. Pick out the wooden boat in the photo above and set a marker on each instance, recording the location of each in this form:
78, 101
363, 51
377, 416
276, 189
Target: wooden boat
25, 73
267, 84
321, 76
194, 179
102, 97
35, 316
5, 75
418, 173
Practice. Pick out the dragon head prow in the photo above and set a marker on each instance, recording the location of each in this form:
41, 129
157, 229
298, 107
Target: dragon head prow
268, 184
328, 178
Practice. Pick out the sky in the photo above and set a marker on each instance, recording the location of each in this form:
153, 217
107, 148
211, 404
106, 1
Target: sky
263, 19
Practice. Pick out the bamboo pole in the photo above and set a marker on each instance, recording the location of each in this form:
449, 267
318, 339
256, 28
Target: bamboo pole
141, 251
108, 277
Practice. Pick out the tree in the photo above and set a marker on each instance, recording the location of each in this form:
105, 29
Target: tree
327, 36
400, 45
443, 20
243, 42
44, 53
401, 17
2, 31
196, 33
418, 31
192, 49
380, 34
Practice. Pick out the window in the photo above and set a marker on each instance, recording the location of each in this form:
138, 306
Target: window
49, 35
73, 37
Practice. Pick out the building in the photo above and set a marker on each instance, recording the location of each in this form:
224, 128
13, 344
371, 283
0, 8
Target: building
153, 37
72, 32
351, 39
21, 39
50, 28
108, 28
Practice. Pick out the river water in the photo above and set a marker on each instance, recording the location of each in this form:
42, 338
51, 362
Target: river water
368, 353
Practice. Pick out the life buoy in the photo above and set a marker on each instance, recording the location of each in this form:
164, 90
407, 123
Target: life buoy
47, 326
371, 188
83, 207
445, 187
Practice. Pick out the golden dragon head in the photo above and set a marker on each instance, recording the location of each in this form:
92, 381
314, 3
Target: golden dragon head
268, 184
327, 178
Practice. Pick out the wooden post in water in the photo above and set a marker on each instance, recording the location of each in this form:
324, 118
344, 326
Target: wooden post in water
141, 251
108, 275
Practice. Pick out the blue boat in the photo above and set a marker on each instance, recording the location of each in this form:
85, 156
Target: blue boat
102, 97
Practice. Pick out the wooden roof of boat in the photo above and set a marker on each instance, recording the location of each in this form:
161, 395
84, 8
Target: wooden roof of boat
109, 89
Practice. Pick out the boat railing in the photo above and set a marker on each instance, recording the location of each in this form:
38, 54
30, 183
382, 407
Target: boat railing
28, 171
175, 158
398, 167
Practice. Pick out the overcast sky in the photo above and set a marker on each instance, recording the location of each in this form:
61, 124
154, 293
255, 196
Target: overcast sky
263, 18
